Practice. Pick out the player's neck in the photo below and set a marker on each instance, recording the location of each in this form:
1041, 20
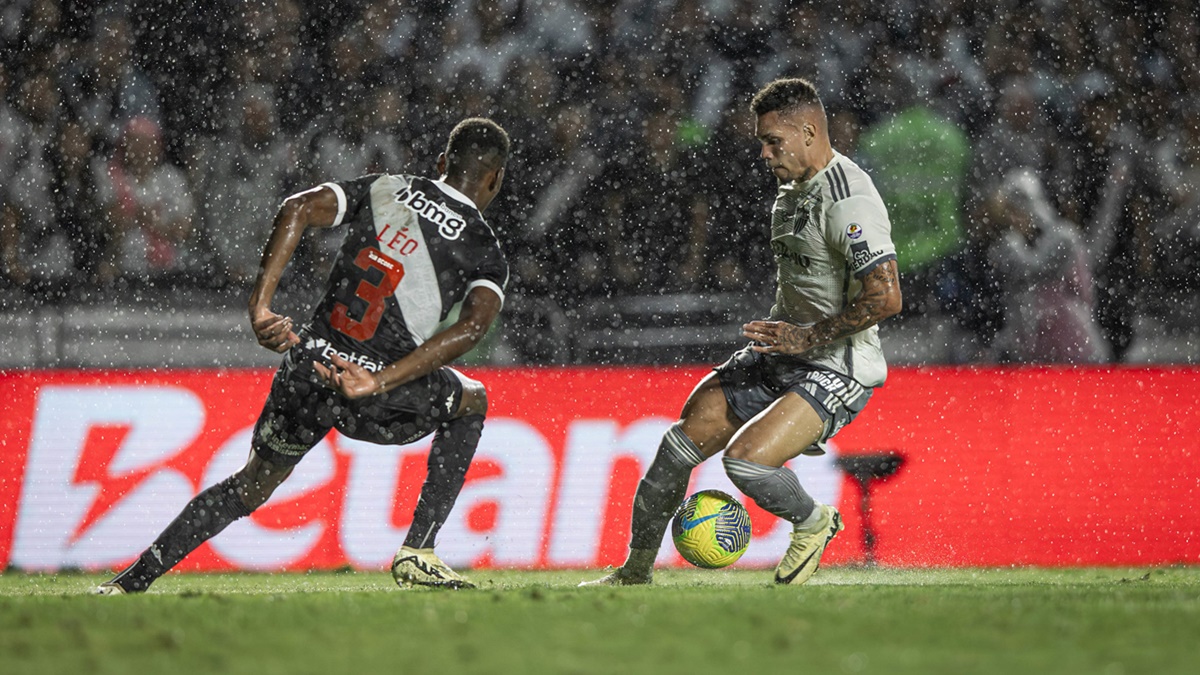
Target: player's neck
472, 190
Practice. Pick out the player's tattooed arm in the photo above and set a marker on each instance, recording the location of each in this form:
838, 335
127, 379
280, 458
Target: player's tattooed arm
880, 298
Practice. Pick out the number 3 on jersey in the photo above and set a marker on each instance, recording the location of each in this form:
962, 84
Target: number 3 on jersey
376, 295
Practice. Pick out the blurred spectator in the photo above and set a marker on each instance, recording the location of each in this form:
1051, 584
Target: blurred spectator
32, 245
919, 160
734, 193
39, 34
1177, 233
249, 170
558, 187
150, 207
11, 129
659, 212
485, 37
806, 52
385, 119
1047, 279
77, 207
1017, 138
110, 90
845, 130
1106, 193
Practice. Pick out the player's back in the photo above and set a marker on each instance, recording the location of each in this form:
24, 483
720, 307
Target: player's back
412, 249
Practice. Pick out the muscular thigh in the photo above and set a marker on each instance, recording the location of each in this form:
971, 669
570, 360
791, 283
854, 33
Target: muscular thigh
788, 406
779, 433
707, 419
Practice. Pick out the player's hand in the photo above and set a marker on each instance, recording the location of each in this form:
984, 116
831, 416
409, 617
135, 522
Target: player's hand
274, 331
349, 379
778, 337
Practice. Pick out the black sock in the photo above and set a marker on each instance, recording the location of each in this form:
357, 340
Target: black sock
453, 448
206, 515
662, 489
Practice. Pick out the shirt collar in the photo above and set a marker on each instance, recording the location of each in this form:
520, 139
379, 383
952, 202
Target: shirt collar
452, 192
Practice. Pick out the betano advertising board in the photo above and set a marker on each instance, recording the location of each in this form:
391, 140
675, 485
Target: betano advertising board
997, 467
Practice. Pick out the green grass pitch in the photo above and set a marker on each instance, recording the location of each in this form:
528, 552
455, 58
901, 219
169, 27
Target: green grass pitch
846, 620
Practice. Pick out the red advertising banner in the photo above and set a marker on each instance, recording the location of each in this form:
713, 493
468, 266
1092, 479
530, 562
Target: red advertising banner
964, 467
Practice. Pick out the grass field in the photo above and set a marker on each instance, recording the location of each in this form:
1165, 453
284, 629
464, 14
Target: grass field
845, 620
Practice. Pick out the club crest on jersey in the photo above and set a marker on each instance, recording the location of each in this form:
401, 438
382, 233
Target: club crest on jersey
450, 224
806, 212
854, 230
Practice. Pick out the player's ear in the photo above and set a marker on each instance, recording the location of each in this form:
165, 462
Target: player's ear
497, 178
441, 165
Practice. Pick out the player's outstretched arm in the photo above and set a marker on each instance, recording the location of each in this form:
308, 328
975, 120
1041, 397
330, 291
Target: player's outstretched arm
479, 310
880, 298
312, 208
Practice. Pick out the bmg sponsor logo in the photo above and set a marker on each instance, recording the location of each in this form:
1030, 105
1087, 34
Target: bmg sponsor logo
450, 224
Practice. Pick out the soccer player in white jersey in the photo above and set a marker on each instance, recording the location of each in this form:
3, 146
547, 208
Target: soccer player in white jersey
810, 368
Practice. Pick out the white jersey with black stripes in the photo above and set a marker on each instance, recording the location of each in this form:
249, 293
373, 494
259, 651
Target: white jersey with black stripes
826, 234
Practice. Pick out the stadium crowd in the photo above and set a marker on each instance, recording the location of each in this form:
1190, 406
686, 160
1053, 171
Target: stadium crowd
148, 143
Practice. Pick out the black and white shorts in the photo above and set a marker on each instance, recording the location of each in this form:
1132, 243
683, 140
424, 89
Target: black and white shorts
300, 410
752, 381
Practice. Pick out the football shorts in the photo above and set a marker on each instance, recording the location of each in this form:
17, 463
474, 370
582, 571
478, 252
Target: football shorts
300, 410
752, 381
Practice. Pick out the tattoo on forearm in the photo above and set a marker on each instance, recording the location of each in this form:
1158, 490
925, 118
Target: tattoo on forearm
870, 307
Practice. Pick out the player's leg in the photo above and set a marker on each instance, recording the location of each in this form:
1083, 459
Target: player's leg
450, 455
205, 516
755, 461
295, 417
456, 434
757, 453
706, 425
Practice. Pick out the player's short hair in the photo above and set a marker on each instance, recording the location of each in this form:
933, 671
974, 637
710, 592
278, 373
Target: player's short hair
785, 95
477, 143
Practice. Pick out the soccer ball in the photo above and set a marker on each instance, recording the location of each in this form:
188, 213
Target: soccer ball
711, 529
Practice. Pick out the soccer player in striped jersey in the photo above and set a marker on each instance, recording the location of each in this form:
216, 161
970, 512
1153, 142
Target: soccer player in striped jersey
371, 362
811, 367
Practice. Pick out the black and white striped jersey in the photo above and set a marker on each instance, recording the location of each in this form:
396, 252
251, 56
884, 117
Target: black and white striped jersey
827, 233
412, 249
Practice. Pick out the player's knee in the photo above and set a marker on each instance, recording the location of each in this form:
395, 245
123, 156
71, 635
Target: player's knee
743, 451
257, 481
474, 399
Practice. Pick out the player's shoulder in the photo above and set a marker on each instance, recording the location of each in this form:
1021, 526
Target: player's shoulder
844, 179
849, 187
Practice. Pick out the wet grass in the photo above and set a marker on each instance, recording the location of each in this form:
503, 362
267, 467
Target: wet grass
845, 621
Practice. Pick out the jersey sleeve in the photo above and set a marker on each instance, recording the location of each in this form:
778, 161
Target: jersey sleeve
858, 226
492, 271
351, 196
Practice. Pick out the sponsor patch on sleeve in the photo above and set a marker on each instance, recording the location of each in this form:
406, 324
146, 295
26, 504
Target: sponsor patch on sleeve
861, 255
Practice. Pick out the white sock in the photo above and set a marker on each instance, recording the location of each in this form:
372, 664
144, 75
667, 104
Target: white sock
809, 524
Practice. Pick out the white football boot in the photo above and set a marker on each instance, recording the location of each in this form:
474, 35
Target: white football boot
422, 567
804, 554
108, 588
